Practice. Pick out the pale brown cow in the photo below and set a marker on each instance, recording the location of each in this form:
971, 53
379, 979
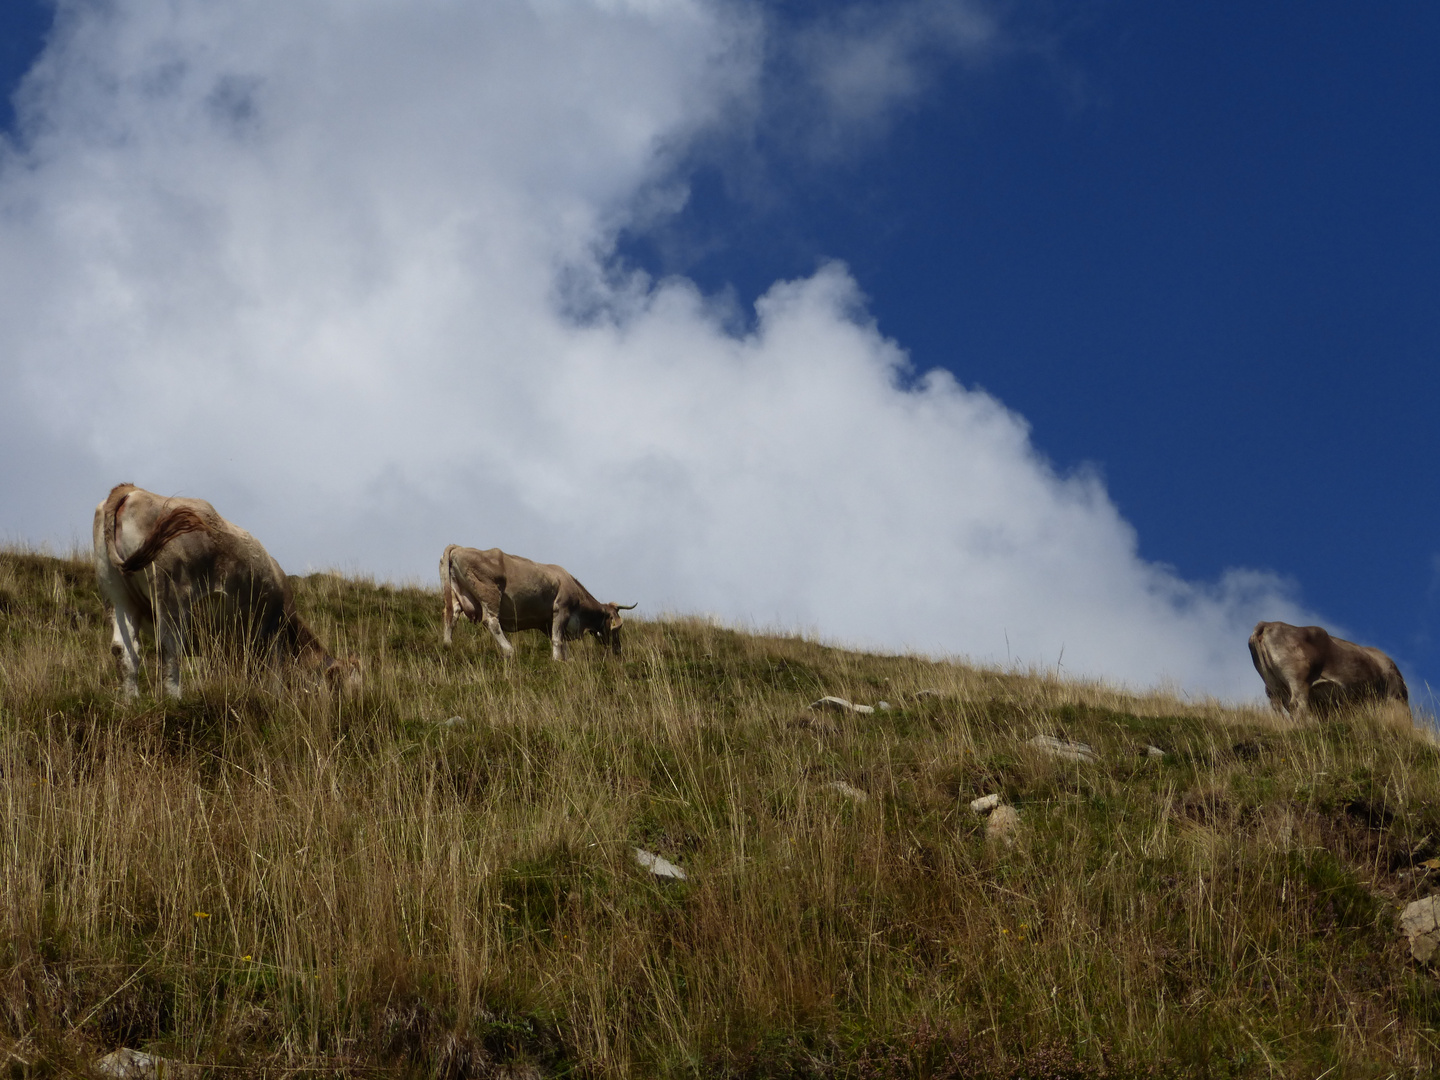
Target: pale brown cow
1306, 670
158, 558
506, 592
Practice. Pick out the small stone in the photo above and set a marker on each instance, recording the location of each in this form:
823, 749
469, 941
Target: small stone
921, 695
1064, 749
849, 791
985, 803
883, 706
1153, 751
840, 704
454, 721
1002, 825
660, 867
1421, 923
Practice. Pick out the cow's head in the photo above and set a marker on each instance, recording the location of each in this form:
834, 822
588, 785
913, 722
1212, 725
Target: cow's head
344, 673
609, 631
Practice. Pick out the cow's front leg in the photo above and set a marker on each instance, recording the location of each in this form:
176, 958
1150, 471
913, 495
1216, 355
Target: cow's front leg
558, 649
127, 656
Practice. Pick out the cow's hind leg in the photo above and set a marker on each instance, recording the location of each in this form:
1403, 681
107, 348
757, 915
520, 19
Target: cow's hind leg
459, 608
170, 632
492, 623
123, 632
1299, 703
490, 597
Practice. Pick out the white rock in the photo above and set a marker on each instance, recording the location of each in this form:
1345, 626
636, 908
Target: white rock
1421, 923
454, 721
883, 706
1002, 825
985, 803
135, 1065
839, 704
1154, 751
920, 695
848, 790
661, 868
1064, 749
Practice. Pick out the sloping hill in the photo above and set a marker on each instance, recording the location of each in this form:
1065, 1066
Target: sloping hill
265, 876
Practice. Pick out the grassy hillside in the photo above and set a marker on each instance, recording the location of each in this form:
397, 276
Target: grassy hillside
263, 877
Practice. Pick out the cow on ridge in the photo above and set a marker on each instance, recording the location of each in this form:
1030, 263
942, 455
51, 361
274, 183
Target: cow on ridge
506, 592
157, 558
1306, 670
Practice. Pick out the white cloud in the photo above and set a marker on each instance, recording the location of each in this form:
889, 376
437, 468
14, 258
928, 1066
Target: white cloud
864, 60
342, 270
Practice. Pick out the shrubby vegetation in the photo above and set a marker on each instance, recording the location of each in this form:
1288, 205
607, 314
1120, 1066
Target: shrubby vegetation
265, 876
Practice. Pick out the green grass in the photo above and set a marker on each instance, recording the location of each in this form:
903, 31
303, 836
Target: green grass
263, 878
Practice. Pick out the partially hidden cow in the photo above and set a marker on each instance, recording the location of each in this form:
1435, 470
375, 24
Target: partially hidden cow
506, 592
163, 562
1308, 671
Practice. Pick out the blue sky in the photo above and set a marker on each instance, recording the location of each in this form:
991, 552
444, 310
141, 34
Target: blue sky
1197, 250
1197, 246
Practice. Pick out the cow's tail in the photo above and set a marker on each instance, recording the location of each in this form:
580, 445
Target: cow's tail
447, 581
175, 523
1262, 655
1257, 638
111, 511
447, 590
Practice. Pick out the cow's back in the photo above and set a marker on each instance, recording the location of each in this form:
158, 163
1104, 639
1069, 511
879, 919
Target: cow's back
525, 589
1362, 670
528, 599
472, 569
139, 512
1309, 663
124, 522
214, 556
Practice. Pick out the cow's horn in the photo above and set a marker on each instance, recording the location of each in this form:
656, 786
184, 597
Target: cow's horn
626, 607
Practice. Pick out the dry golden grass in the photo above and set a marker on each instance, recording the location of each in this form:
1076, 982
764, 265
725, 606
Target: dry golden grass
265, 878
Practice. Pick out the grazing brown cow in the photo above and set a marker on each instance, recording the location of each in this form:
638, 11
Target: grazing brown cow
506, 592
157, 558
1305, 669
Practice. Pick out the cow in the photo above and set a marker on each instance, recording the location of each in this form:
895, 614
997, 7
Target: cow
1306, 670
506, 592
161, 561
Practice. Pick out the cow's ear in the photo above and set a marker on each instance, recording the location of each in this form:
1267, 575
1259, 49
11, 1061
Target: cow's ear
615, 622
